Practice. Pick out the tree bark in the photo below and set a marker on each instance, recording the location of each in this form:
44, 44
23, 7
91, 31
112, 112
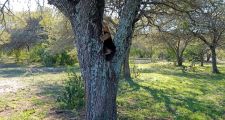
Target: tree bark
214, 61
100, 76
208, 56
126, 66
202, 62
202, 59
179, 59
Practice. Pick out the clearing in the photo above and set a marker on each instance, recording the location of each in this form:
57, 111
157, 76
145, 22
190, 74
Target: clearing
159, 91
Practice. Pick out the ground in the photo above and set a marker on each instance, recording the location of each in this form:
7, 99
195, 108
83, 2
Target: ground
31, 94
157, 91
162, 91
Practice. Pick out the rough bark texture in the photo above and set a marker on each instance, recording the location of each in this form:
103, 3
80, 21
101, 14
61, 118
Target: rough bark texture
101, 77
126, 66
214, 61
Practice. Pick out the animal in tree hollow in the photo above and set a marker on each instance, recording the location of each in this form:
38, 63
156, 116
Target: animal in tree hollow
109, 48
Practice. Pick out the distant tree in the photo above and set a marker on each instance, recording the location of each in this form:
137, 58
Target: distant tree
27, 37
174, 33
196, 52
205, 19
208, 24
61, 36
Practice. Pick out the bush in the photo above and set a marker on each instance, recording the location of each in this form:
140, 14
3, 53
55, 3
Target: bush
42, 54
141, 53
68, 58
48, 60
170, 56
135, 71
36, 53
73, 94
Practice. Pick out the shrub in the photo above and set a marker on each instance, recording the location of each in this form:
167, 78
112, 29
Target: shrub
36, 53
42, 54
136, 71
141, 53
73, 94
68, 58
48, 59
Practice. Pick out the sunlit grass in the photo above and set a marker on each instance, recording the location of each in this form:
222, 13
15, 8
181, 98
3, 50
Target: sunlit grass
163, 91
35, 100
160, 91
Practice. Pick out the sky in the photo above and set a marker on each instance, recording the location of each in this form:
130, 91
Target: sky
25, 5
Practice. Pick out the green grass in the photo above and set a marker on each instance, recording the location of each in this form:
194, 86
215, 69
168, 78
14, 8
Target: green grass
37, 100
165, 92
161, 91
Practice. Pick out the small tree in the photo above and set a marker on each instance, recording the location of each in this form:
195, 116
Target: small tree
196, 52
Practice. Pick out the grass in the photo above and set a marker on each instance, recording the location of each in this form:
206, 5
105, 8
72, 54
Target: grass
165, 92
161, 91
35, 101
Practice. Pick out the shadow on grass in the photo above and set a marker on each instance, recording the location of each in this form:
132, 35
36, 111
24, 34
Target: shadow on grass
172, 101
11, 72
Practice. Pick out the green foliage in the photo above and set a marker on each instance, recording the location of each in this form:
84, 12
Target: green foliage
62, 59
48, 39
67, 58
41, 54
170, 56
135, 71
36, 53
141, 53
195, 51
73, 92
21, 56
27, 37
48, 60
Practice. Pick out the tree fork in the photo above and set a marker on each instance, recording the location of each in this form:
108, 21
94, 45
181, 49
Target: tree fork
101, 77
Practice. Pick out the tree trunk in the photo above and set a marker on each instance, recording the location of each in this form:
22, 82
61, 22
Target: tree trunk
208, 57
202, 60
214, 62
126, 66
179, 60
101, 76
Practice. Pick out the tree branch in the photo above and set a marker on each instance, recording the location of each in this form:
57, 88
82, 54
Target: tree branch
65, 6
